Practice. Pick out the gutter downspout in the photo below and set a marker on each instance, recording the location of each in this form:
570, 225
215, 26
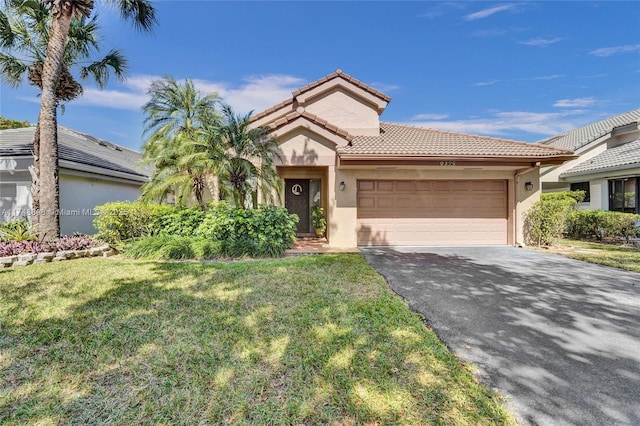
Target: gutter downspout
516, 179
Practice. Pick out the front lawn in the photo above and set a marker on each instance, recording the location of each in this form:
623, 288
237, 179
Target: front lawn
613, 255
308, 340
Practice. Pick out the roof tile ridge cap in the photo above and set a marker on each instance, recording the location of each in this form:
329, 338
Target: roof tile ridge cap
271, 109
327, 125
363, 85
315, 83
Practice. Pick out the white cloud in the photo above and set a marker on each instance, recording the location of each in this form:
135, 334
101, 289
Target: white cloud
429, 117
488, 12
542, 77
574, 103
501, 123
441, 9
254, 93
608, 51
539, 41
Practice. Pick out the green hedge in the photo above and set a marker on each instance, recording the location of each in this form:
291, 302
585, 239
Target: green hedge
120, 221
601, 224
218, 231
556, 214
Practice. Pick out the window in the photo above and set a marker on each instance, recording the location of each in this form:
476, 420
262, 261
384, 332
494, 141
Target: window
623, 195
583, 186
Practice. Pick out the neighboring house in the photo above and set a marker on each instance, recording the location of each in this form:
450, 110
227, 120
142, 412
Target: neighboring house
92, 172
608, 166
391, 184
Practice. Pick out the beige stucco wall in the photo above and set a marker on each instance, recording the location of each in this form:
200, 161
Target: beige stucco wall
346, 111
342, 214
524, 200
79, 196
306, 148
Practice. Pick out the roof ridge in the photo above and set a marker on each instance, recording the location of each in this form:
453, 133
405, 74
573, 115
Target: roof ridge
479, 137
292, 116
271, 109
90, 137
347, 77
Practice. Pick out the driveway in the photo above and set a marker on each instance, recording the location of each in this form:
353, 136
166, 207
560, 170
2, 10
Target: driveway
558, 337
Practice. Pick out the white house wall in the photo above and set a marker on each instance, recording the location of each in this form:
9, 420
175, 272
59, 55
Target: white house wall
80, 195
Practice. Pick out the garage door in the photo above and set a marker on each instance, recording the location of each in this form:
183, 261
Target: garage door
432, 212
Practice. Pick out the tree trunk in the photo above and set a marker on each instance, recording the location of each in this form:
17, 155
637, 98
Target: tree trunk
49, 220
35, 180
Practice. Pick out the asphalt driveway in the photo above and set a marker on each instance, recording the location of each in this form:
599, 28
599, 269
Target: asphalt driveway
560, 338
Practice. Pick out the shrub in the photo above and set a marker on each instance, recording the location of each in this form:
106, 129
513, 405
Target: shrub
265, 231
546, 220
120, 221
16, 230
602, 224
176, 247
179, 221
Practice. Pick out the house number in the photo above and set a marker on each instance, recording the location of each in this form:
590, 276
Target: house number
296, 189
447, 163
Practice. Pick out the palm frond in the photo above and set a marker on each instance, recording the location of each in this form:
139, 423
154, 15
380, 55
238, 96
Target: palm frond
114, 61
140, 12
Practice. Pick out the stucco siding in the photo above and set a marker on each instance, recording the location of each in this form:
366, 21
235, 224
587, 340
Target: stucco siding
306, 148
347, 112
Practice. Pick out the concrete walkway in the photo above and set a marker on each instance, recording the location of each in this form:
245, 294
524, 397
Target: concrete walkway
559, 337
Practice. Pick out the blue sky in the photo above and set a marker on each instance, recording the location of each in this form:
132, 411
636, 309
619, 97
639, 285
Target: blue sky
518, 70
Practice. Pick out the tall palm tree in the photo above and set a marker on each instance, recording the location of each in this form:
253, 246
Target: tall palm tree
142, 13
24, 35
176, 114
246, 169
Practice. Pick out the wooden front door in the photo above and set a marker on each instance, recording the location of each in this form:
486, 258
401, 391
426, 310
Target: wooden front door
296, 201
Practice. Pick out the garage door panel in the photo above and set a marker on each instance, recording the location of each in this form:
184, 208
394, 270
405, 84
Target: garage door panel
436, 231
432, 212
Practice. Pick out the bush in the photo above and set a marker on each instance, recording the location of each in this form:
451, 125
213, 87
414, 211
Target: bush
265, 231
546, 220
602, 224
120, 221
179, 221
16, 230
75, 242
220, 231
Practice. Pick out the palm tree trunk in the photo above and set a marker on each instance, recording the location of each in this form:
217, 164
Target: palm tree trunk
35, 180
49, 186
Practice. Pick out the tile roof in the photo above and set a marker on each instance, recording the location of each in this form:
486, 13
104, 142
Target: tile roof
79, 148
312, 85
352, 80
314, 119
627, 154
577, 138
272, 109
401, 140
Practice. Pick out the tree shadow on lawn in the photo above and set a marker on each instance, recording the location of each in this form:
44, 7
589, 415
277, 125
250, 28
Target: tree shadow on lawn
272, 342
560, 335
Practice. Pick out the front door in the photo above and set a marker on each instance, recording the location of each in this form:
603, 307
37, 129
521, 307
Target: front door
296, 200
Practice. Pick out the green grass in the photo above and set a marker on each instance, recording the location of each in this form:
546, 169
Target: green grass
311, 340
603, 254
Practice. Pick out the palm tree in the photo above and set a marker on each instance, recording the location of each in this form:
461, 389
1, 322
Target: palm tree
246, 165
176, 114
52, 76
24, 35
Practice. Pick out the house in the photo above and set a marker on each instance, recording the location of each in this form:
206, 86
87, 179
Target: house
92, 172
607, 167
391, 184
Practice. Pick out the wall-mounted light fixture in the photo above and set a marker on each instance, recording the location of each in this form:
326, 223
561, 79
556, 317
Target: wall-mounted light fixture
342, 186
528, 186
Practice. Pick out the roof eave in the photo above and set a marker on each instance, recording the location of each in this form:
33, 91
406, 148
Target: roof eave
601, 170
